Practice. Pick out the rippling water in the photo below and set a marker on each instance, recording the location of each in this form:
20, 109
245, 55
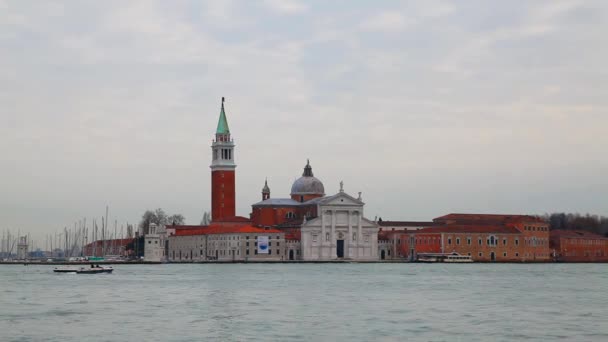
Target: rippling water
307, 302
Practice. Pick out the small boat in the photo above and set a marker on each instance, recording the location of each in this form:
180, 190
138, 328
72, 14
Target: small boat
84, 270
443, 257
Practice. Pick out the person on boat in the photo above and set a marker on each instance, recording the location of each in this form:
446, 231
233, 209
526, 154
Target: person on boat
91, 265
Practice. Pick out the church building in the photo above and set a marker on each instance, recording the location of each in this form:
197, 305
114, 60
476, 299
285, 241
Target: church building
328, 227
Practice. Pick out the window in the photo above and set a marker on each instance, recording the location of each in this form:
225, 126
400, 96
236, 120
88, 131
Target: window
247, 243
269, 251
256, 251
516, 254
469, 242
354, 236
504, 254
269, 243
480, 254
149, 242
516, 242
326, 236
449, 241
458, 241
469, 254
480, 242
504, 242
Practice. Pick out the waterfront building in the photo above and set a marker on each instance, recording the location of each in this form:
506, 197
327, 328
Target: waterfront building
340, 231
22, 248
534, 230
154, 243
238, 242
405, 225
578, 246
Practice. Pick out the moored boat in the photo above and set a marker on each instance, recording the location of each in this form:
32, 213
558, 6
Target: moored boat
443, 257
84, 270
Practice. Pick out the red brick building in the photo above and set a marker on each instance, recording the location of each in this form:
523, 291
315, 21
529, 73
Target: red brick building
223, 171
535, 231
277, 212
578, 246
506, 238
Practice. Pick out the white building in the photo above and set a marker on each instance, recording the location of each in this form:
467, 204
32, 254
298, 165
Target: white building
22, 248
227, 243
340, 231
154, 244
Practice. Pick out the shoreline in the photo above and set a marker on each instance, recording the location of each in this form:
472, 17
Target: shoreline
29, 263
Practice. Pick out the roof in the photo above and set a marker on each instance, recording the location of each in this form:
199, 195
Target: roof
496, 229
279, 201
407, 224
296, 235
220, 229
576, 234
486, 217
222, 124
171, 226
232, 219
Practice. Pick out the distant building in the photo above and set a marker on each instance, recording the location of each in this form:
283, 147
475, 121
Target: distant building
484, 237
154, 244
239, 242
340, 232
578, 246
22, 248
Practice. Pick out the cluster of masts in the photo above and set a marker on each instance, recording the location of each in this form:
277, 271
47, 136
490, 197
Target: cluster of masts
69, 242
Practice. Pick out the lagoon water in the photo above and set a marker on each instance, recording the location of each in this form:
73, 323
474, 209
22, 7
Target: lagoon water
307, 302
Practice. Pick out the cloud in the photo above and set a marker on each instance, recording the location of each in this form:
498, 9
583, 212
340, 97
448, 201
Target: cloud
116, 103
388, 21
286, 6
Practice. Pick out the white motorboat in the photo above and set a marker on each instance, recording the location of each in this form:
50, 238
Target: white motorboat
84, 270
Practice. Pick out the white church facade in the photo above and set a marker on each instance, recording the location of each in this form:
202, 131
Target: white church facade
340, 232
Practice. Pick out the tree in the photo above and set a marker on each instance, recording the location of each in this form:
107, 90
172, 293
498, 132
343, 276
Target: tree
160, 218
206, 220
177, 219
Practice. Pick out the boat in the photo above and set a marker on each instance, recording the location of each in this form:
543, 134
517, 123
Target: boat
458, 258
84, 270
443, 257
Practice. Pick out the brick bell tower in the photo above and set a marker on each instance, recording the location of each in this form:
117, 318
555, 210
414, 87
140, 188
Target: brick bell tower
222, 171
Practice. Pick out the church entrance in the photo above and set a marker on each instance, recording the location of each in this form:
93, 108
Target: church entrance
291, 254
340, 248
382, 255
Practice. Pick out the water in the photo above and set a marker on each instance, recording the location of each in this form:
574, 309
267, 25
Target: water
307, 302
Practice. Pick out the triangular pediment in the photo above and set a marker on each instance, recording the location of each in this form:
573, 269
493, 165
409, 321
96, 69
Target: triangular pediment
341, 198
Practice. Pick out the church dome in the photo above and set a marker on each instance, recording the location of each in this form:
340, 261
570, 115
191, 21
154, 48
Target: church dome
308, 184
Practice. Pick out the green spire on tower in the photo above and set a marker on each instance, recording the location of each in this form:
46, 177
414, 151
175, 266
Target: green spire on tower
222, 124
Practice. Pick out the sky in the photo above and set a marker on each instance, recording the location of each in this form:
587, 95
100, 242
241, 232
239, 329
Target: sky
426, 107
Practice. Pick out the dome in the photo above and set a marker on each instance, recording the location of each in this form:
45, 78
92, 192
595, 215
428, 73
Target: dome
308, 184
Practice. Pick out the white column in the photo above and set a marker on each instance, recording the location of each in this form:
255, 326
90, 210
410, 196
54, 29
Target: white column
322, 227
359, 228
360, 242
350, 234
332, 240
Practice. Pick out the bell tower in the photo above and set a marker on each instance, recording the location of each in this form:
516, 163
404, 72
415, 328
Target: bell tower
222, 171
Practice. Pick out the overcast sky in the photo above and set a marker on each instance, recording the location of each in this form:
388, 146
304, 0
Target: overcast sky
427, 107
